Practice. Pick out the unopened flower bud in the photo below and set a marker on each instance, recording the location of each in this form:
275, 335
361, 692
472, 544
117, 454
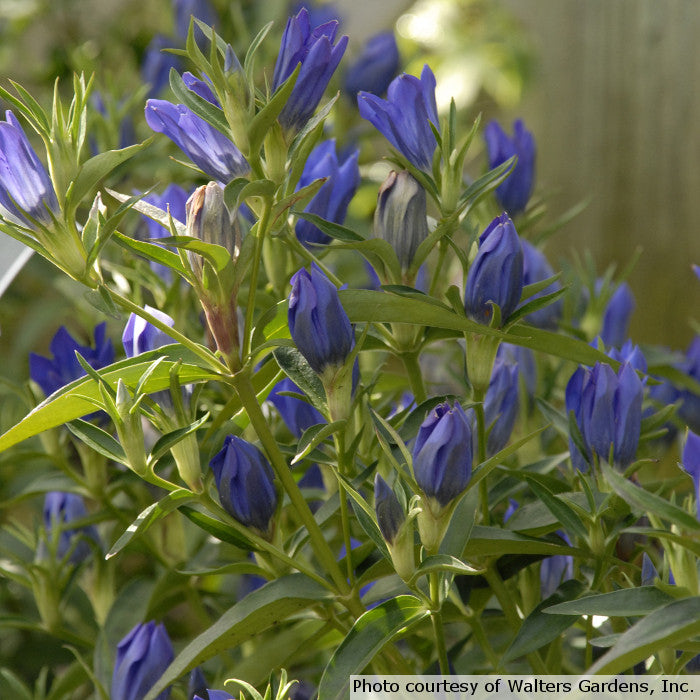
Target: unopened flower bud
390, 515
400, 217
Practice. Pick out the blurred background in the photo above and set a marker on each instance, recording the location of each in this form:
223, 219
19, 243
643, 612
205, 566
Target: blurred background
605, 87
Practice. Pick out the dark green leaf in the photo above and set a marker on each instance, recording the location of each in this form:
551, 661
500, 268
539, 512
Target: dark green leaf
220, 530
626, 602
492, 541
298, 370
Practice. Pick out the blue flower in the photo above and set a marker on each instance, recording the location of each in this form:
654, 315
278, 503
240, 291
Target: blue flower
375, 67
60, 510
297, 414
140, 336
214, 153
215, 695
25, 186
442, 454
536, 268
332, 200
390, 515
629, 352
524, 358
501, 405
317, 321
156, 65
691, 463
496, 275
64, 368
319, 58
608, 410
555, 569
400, 217
199, 9
514, 192
406, 115
142, 658
245, 483
616, 318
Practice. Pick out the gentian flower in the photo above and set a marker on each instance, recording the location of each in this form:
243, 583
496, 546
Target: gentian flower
524, 358
405, 116
400, 217
496, 275
314, 49
199, 9
689, 410
214, 153
25, 186
649, 572
608, 411
332, 200
142, 658
140, 336
196, 683
318, 14
156, 65
501, 405
64, 368
317, 321
375, 67
536, 268
629, 352
691, 463
245, 483
514, 192
390, 515
298, 415
555, 569
442, 454
60, 510
616, 318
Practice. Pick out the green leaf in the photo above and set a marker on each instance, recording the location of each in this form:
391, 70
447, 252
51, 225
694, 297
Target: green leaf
492, 541
149, 516
444, 562
627, 602
336, 231
152, 252
566, 515
204, 109
665, 627
539, 629
268, 606
97, 439
221, 531
461, 524
649, 502
93, 170
165, 442
368, 635
217, 255
295, 366
79, 397
485, 184
314, 436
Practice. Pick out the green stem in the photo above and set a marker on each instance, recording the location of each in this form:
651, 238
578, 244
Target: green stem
339, 439
415, 376
442, 252
481, 455
323, 552
478, 630
438, 628
199, 350
261, 232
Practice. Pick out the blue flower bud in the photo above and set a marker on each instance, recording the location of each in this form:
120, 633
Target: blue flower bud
496, 275
442, 454
691, 463
608, 411
245, 483
631, 353
405, 116
25, 186
524, 358
689, 410
317, 321
535, 269
142, 658
501, 405
319, 58
52, 374
390, 515
140, 336
649, 572
156, 65
616, 319
297, 414
60, 510
400, 217
209, 149
514, 192
332, 200
199, 9
196, 684
215, 695
555, 569
375, 67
